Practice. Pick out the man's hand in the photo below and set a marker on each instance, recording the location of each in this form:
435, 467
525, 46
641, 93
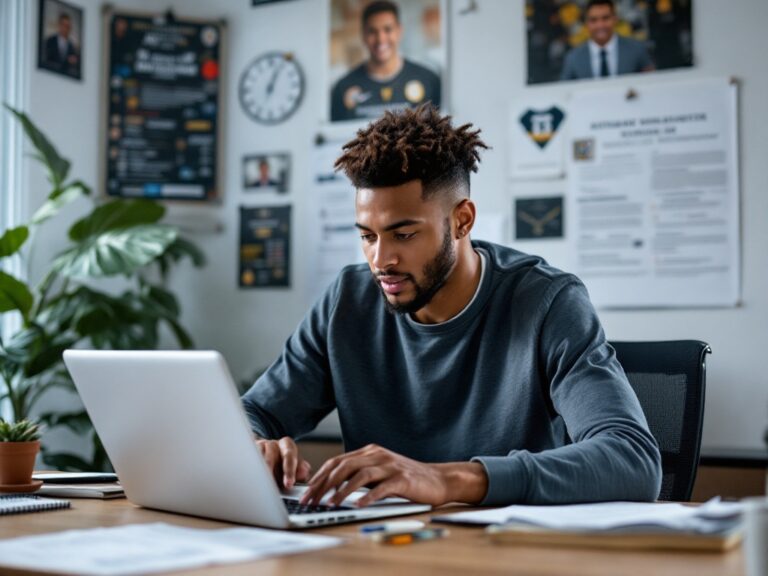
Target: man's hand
282, 457
390, 474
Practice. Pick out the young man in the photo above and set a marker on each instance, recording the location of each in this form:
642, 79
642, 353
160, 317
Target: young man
462, 371
386, 80
605, 53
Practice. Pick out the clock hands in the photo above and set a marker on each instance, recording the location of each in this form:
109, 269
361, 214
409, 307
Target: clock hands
271, 85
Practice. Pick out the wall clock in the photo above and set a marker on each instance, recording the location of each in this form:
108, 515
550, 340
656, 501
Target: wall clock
272, 87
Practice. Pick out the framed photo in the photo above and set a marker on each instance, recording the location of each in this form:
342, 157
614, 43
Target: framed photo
384, 55
581, 39
60, 38
266, 172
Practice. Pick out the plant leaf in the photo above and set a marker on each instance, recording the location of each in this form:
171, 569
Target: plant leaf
14, 295
114, 216
58, 199
66, 462
77, 421
12, 240
57, 167
115, 252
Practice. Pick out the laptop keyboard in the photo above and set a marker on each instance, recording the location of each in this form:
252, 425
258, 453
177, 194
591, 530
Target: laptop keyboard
294, 507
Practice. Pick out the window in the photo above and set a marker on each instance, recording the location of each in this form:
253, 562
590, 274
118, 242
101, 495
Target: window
14, 60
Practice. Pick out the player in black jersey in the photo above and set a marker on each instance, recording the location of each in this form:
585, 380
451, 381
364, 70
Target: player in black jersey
387, 80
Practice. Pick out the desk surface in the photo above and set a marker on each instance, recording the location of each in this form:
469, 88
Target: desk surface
464, 551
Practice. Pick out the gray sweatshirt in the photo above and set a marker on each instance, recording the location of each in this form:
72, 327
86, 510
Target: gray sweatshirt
521, 381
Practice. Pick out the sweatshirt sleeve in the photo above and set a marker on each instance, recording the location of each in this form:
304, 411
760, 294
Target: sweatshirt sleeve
611, 454
295, 392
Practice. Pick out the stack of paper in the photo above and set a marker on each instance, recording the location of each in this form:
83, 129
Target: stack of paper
714, 525
102, 491
145, 548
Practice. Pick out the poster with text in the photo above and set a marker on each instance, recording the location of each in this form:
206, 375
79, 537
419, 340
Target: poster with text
162, 107
335, 241
265, 246
654, 192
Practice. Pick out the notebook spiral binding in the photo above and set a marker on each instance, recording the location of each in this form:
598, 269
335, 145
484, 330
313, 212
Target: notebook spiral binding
19, 504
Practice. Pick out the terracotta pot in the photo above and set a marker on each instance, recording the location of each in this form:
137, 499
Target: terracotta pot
17, 460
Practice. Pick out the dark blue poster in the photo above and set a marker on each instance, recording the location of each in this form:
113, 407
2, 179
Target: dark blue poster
265, 246
162, 107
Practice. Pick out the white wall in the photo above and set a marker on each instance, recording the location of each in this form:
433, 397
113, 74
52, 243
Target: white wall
488, 69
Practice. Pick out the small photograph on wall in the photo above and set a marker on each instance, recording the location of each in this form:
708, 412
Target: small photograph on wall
266, 172
384, 55
60, 38
594, 39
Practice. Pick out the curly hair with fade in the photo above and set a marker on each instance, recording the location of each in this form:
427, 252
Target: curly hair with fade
413, 144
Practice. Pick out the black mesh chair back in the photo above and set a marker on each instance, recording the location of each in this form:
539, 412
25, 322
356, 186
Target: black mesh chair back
669, 380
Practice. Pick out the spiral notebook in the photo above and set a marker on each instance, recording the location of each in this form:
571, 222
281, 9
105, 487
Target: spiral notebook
17, 504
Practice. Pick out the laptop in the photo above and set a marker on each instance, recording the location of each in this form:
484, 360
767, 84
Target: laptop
178, 437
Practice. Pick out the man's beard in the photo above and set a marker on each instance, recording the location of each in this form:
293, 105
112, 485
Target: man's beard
436, 274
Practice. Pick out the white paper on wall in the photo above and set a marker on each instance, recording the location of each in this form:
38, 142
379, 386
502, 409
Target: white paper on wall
654, 194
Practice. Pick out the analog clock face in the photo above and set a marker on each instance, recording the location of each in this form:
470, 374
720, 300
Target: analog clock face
271, 87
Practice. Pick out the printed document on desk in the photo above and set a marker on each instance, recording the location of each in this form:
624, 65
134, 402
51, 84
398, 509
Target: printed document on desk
712, 517
150, 548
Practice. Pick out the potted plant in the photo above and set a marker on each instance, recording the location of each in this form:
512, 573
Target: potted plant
19, 444
117, 238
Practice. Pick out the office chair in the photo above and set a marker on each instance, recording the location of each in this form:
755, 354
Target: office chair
669, 380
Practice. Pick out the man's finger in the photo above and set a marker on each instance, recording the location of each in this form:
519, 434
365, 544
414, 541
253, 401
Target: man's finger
289, 456
387, 488
346, 468
303, 471
365, 476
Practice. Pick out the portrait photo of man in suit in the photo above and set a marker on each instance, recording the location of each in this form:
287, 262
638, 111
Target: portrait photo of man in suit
606, 53
594, 39
60, 38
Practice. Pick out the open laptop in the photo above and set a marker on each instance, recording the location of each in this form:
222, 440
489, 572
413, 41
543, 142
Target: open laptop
178, 437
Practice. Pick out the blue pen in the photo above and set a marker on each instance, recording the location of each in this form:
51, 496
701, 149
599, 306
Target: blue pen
394, 527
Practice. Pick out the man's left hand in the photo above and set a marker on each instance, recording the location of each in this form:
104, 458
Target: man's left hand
390, 474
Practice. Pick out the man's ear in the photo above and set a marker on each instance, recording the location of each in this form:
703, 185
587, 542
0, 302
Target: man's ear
464, 217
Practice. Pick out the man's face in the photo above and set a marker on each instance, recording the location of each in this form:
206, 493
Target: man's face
408, 243
65, 27
600, 21
381, 35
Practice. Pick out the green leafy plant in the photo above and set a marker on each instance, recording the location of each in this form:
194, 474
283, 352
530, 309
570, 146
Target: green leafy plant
22, 431
117, 238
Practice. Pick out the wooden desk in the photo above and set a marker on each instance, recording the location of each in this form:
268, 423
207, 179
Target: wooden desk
465, 551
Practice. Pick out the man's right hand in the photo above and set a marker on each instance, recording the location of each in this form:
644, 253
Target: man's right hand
282, 457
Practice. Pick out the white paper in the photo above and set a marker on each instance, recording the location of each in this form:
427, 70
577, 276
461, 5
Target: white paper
654, 195
335, 242
605, 516
147, 548
536, 139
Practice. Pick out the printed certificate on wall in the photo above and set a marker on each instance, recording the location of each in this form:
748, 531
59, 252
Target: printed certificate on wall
654, 192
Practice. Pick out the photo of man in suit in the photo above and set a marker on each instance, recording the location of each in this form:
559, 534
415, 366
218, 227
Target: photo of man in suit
606, 53
60, 50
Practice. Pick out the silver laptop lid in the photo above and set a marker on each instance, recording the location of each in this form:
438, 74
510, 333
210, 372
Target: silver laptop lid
174, 429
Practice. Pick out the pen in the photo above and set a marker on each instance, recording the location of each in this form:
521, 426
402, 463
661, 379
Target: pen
400, 538
401, 526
